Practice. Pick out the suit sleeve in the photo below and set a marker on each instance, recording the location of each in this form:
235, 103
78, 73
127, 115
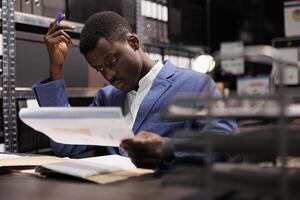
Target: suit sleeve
213, 126
51, 94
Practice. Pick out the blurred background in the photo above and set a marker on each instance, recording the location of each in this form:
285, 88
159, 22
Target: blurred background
187, 32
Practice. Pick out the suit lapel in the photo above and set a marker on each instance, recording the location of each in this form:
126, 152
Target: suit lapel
160, 85
118, 99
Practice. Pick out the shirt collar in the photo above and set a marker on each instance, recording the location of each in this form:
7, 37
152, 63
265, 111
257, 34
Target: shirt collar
150, 76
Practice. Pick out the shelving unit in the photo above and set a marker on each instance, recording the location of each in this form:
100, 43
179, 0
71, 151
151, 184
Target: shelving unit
154, 15
9, 77
40, 21
9, 92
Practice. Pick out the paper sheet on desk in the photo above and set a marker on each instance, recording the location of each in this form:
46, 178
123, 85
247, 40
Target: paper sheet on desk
103, 126
102, 169
14, 160
6, 156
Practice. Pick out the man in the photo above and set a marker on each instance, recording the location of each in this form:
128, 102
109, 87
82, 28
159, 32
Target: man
139, 85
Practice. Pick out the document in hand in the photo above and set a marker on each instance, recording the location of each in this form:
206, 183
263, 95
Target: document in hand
103, 126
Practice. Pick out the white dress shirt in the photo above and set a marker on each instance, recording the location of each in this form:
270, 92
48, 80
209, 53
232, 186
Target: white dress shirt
134, 98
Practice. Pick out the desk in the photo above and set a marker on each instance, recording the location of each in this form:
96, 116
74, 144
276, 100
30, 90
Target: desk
184, 182
181, 183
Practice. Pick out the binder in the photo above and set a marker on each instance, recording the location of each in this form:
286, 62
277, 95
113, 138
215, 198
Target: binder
150, 28
37, 7
18, 5
26, 6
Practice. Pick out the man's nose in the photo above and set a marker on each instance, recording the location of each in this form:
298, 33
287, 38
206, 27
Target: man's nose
108, 74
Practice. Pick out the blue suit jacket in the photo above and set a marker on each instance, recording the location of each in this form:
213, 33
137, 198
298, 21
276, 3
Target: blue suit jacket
171, 81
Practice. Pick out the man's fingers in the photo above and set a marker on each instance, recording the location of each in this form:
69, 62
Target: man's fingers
56, 22
57, 27
61, 33
146, 163
142, 156
141, 148
149, 153
145, 150
126, 143
59, 36
54, 26
58, 39
130, 144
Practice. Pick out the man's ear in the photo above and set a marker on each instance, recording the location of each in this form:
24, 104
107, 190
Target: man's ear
133, 41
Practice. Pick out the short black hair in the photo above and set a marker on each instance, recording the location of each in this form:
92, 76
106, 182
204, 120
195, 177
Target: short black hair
105, 24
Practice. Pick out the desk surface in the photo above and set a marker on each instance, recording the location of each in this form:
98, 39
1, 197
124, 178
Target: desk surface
183, 182
179, 184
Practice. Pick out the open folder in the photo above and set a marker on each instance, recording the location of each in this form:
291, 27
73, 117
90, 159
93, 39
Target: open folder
101, 170
103, 126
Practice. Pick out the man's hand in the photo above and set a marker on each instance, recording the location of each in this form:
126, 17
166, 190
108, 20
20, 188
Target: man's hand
148, 150
57, 42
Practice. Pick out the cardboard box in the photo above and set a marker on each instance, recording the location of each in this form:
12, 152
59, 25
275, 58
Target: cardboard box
292, 18
253, 86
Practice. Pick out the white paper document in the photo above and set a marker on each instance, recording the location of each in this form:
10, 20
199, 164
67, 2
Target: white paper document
102, 126
92, 166
4, 156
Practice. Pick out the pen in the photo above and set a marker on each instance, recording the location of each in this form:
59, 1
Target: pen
60, 17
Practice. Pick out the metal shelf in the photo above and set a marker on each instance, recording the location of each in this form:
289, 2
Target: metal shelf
40, 21
76, 92
9, 77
